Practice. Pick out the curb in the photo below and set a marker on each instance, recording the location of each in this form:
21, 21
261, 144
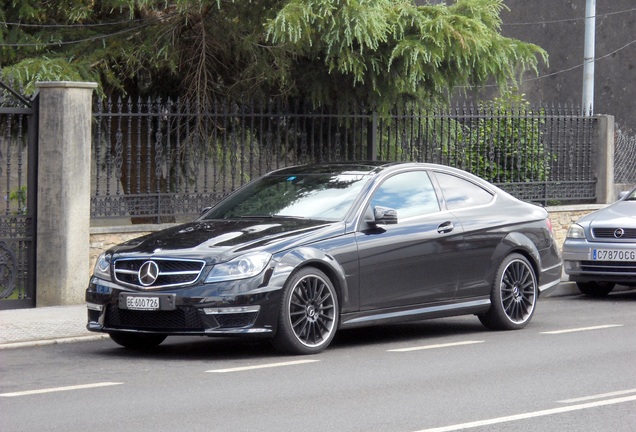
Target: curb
45, 342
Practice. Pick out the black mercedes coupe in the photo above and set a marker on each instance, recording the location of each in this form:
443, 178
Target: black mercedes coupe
304, 251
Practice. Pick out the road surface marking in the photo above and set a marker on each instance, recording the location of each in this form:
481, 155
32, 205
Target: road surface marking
425, 347
529, 415
263, 366
580, 329
599, 396
59, 389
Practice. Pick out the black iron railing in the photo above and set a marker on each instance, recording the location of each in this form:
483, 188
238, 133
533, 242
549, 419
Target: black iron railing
18, 186
163, 160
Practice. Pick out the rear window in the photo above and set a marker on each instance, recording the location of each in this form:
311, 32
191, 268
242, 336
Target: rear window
460, 193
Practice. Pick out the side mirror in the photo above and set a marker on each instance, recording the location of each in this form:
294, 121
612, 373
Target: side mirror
622, 194
385, 216
204, 211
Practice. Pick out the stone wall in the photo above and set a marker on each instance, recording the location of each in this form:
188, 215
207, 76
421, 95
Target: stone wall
564, 216
104, 237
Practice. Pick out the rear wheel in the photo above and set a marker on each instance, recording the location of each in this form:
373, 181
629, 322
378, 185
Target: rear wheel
308, 315
137, 341
595, 289
513, 295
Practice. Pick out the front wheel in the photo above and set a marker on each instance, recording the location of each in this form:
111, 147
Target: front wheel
595, 289
308, 316
137, 341
513, 295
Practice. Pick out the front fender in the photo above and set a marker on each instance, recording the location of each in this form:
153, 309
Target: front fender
290, 261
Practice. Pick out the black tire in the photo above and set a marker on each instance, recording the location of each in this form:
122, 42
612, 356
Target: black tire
309, 312
513, 296
595, 289
137, 341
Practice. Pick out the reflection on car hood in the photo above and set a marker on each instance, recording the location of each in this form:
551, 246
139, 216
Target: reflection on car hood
620, 214
217, 240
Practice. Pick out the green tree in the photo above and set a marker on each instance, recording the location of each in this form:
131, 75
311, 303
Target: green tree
508, 143
333, 52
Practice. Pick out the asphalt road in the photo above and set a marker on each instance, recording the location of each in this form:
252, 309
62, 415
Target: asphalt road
572, 369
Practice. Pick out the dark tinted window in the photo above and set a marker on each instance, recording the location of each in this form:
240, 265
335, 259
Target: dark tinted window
460, 193
410, 193
320, 196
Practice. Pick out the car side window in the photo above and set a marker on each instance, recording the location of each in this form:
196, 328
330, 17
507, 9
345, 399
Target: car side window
410, 193
460, 193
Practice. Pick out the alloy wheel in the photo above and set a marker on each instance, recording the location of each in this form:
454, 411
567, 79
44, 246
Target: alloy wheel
312, 310
518, 291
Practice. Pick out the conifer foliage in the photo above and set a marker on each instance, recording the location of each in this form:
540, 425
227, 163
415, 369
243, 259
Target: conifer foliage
332, 52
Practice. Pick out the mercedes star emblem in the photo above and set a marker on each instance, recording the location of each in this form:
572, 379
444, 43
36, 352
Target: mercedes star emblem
148, 273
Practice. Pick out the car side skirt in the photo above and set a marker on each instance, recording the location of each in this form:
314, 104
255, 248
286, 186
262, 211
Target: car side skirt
385, 316
547, 288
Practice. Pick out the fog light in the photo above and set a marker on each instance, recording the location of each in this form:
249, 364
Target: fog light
95, 307
231, 310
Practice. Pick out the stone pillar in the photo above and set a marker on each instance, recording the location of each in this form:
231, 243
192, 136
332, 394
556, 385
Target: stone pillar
63, 210
605, 163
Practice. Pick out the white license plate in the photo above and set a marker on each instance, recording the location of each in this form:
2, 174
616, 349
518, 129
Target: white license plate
613, 255
142, 303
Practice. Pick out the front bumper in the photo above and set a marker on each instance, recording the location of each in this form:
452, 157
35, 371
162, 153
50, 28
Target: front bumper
580, 265
199, 310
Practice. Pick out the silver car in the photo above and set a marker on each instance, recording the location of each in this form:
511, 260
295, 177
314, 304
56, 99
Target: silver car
600, 249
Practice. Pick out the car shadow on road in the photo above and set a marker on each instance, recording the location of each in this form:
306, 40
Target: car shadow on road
619, 294
421, 331
193, 348
184, 348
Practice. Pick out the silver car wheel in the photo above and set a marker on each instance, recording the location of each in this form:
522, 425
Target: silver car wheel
518, 291
513, 296
309, 313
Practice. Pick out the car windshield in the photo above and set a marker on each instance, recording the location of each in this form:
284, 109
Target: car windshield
322, 196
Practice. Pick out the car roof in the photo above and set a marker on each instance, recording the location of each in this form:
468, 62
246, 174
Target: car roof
372, 168
330, 168
363, 166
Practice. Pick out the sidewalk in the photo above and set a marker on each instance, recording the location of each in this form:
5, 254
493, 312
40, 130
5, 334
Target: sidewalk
44, 326
65, 324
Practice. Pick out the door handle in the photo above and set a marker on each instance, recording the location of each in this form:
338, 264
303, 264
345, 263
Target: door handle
445, 227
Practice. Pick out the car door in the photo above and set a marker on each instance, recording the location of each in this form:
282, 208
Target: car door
413, 261
473, 206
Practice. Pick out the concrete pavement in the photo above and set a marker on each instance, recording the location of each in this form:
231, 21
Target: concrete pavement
44, 326
66, 324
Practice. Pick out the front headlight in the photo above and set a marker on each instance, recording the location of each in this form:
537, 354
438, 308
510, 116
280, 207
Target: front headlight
239, 268
576, 232
102, 267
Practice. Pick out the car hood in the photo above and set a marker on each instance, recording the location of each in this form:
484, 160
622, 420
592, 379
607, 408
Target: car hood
620, 214
220, 240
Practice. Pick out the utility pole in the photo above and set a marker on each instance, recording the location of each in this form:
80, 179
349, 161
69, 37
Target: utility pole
588, 61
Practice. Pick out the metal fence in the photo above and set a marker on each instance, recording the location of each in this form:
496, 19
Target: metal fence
624, 157
163, 160
18, 131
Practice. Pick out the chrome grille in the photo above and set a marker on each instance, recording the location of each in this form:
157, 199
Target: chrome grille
609, 233
609, 267
172, 272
